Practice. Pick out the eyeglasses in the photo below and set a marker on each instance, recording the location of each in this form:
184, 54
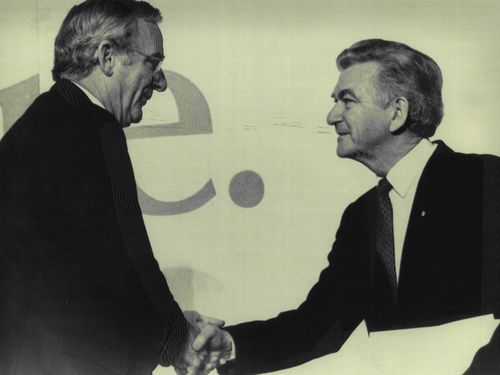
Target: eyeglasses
155, 61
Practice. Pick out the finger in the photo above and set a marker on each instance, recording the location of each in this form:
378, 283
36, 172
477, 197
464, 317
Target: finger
192, 316
209, 367
196, 371
215, 359
221, 341
225, 355
194, 360
205, 335
214, 321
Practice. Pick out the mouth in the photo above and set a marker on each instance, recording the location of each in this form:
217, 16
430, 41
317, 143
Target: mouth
341, 131
145, 97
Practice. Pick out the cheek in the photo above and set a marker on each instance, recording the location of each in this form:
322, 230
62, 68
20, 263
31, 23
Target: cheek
137, 85
136, 96
364, 127
356, 123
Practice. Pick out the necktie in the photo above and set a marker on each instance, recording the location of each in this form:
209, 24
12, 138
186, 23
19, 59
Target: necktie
385, 233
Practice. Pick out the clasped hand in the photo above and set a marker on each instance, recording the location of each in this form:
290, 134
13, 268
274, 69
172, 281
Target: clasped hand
207, 346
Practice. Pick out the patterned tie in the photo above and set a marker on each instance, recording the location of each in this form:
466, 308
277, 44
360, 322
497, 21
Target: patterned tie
385, 233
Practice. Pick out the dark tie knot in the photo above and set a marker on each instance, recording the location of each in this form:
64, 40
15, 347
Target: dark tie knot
384, 186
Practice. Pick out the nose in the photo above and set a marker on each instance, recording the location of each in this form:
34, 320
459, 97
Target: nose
159, 81
334, 117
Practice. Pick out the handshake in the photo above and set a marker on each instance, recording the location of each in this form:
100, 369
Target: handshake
207, 345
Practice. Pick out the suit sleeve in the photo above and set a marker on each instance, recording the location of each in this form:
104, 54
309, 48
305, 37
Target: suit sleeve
487, 359
322, 323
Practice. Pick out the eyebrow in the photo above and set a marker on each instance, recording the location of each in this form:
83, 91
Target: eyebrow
343, 93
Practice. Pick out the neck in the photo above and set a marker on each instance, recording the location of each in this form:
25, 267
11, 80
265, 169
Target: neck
97, 86
386, 156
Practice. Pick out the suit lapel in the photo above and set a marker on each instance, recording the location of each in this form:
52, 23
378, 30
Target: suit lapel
441, 260
424, 217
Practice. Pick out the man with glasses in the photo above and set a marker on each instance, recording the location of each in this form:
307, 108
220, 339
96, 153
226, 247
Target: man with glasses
80, 290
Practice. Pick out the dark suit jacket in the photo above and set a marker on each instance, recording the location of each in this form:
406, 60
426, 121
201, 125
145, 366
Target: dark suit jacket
80, 291
441, 275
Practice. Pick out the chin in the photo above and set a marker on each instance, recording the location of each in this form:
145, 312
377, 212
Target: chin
136, 116
343, 153
343, 149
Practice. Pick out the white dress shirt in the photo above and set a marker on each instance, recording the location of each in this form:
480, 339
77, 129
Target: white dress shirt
92, 98
404, 177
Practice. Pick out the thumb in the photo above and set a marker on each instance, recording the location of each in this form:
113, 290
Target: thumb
206, 334
214, 321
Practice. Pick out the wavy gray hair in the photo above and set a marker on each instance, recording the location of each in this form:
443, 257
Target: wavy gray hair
404, 72
91, 22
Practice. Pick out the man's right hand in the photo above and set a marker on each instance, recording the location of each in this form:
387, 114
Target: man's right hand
207, 346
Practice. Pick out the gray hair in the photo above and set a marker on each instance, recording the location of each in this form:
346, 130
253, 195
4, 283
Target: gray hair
404, 72
91, 22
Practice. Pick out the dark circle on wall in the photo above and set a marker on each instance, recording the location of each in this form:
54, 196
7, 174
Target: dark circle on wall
246, 189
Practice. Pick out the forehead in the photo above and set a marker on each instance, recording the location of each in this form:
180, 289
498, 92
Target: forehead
149, 39
360, 78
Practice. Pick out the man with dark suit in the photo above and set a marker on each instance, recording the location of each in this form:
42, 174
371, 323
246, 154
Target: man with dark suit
420, 249
80, 290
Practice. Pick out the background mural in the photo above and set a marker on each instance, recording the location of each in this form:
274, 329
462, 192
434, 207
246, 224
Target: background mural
239, 181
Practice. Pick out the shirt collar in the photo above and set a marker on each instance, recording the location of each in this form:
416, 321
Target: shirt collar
91, 97
410, 167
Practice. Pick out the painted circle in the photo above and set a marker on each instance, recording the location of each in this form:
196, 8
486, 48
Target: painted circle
246, 189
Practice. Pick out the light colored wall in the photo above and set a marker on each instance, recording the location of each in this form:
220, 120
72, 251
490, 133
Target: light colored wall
266, 69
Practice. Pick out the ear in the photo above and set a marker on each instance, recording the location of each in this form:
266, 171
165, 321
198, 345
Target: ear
400, 114
106, 56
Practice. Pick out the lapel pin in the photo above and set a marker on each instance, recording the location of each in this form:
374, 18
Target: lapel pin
422, 213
